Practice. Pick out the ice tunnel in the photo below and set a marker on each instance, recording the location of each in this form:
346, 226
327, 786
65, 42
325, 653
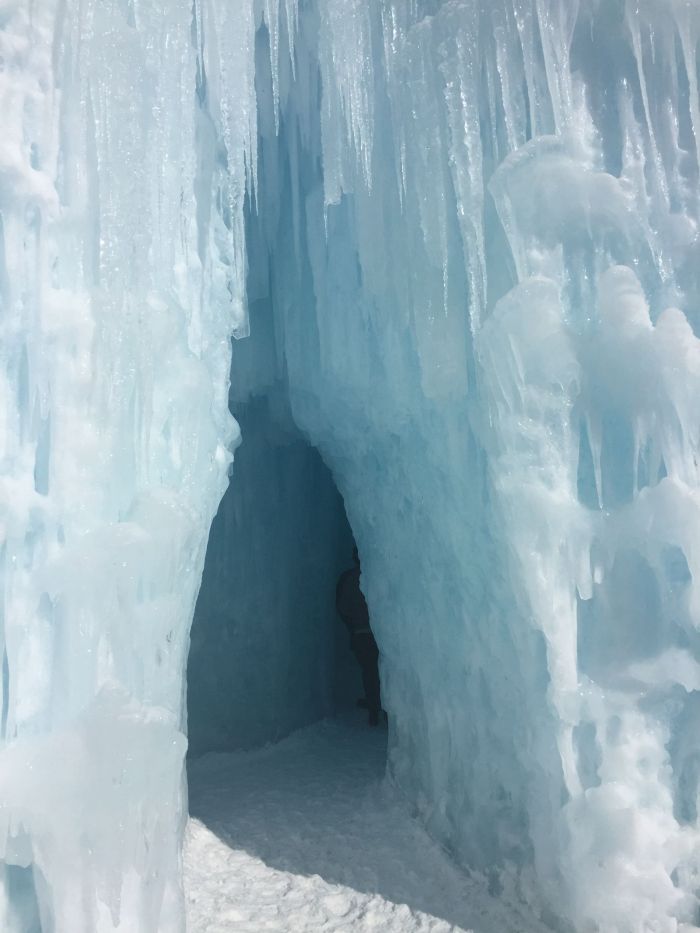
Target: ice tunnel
267, 652
463, 239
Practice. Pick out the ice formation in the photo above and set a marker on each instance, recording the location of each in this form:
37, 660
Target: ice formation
121, 278
474, 229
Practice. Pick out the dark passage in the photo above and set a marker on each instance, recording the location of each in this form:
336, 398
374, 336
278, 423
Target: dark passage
269, 653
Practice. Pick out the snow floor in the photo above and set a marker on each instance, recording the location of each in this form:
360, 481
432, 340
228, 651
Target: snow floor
307, 835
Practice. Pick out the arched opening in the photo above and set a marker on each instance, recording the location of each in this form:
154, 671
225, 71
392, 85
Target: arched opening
268, 652
24, 907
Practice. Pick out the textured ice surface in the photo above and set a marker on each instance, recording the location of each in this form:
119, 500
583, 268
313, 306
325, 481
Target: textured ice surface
476, 224
488, 324
120, 281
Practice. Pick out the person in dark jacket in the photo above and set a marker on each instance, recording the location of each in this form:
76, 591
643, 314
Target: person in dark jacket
352, 609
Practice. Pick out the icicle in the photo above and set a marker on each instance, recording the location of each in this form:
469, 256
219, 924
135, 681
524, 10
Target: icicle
272, 18
634, 27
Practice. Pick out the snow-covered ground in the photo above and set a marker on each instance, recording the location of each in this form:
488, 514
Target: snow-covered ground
306, 835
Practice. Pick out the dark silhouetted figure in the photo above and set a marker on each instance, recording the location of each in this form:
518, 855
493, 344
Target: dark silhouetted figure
352, 609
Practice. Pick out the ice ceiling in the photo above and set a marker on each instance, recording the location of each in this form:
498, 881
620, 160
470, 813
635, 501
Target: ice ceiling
473, 229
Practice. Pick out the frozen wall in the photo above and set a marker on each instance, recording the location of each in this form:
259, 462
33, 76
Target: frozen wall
477, 227
123, 167
262, 658
484, 261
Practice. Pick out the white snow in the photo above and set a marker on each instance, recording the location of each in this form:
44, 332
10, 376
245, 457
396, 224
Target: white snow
306, 835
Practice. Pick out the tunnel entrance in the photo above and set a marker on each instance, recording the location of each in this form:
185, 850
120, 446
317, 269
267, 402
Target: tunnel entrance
268, 652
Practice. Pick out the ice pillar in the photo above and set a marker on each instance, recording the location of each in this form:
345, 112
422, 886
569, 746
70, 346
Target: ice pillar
128, 132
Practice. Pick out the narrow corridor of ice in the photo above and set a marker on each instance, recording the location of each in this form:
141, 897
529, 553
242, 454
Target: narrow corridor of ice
306, 835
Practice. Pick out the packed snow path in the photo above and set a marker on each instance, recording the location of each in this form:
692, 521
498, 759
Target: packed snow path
307, 836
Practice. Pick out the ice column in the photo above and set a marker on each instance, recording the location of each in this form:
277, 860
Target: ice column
128, 136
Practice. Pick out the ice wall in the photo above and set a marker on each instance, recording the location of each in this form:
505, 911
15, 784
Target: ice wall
484, 261
477, 226
128, 141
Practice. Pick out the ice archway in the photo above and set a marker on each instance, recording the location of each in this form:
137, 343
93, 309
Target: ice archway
476, 233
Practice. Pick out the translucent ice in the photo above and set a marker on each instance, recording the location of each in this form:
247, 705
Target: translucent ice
122, 178
494, 345
476, 226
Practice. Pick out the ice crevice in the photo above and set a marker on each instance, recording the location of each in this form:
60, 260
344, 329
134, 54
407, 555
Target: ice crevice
463, 239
